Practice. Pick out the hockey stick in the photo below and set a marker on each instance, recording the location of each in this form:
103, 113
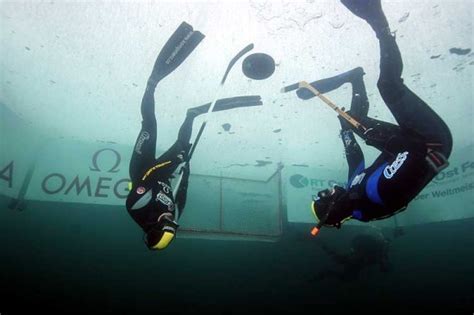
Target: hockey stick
343, 114
203, 125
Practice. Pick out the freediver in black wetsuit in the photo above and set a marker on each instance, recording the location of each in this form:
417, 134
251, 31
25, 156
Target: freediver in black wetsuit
151, 202
412, 152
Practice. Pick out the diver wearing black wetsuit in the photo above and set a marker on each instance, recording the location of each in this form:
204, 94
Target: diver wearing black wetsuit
150, 202
412, 152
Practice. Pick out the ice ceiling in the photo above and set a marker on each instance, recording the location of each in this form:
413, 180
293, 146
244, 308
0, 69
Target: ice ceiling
78, 70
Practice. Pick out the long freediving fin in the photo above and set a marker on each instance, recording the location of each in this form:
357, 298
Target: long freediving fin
229, 103
179, 46
237, 101
343, 114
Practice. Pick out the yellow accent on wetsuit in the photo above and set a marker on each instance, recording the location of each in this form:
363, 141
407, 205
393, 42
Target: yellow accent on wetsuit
164, 241
154, 168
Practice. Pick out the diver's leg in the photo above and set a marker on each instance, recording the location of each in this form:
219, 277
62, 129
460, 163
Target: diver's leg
360, 102
369, 10
178, 152
354, 155
359, 110
412, 114
186, 129
410, 111
144, 150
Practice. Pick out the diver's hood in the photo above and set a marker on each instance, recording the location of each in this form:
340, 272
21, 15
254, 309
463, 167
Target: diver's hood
326, 205
161, 234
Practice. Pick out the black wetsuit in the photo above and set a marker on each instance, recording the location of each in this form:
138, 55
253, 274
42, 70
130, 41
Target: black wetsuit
151, 195
409, 150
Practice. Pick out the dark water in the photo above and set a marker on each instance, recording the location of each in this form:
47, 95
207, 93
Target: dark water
62, 259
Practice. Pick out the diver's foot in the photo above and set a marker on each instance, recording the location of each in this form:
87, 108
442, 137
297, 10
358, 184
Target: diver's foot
369, 10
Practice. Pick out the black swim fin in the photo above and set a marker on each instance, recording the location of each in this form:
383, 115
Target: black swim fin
327, 84
179, 46
228, 103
